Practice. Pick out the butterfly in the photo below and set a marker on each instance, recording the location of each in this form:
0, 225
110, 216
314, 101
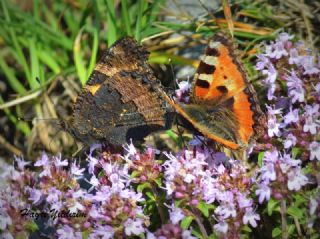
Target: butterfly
223, 104
123, 100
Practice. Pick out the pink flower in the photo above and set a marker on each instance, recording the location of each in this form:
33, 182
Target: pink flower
251, 217
279, 50
295, 87
264, 192
134, 227
314, 148
53, 195
268, 172
43, 161
262, 62
176, 214
273, 127
5, 219
21, 163
221, 227
294, 56
102, 232
243, 201
76, 170
271, 74
183, 88
186, 234
226, 210
67, 232
308, 64
58, 162
290, 141
292, 116
296, 179
284, 37
310, 125
35, 195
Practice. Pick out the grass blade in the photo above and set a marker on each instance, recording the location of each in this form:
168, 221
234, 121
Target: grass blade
126, 17
15, 42
77, 55
111, 19
228, 15
12, 79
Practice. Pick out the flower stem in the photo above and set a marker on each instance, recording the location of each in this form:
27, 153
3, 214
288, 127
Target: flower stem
284, 226
200, 224
159, 204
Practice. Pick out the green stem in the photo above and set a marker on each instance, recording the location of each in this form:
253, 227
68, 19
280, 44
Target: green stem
159, 204
284, 225
200, 224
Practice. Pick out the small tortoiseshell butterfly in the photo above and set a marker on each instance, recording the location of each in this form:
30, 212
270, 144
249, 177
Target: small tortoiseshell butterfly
124, 100
223, 104
121, 100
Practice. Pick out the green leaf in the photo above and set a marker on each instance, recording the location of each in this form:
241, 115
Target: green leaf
260, 158
31, 226
126, 17
158, 181
49, 60
112, 24
203, 207
86, 233
276, 232
246, 228
142, 6
35, 71
11, 78
185, 223
272, 204
295, 212
291, 229
299, 199
196, 233
212, 236
295, 152
151, 196
143, 186
77, 55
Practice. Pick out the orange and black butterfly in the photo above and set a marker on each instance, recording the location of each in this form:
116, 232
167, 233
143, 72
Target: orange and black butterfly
124, 100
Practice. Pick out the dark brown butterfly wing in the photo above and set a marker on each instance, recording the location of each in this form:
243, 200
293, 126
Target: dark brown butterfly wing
120, 100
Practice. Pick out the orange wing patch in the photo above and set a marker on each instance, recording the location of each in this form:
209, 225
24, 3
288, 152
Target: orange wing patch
219, 79
226, 79
244, 116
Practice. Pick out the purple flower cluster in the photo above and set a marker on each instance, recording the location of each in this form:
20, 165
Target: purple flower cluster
109, 207
292, 76
13, 198
194, 176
